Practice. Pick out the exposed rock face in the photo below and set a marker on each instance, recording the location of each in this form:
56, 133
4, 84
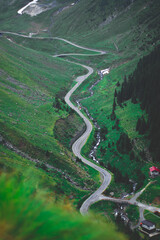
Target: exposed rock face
34, 8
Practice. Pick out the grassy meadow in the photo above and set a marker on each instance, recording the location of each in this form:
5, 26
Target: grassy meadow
30, 81
35, 119
126, 39
151, 195
27, 212
106, 209
49, 46
153, 218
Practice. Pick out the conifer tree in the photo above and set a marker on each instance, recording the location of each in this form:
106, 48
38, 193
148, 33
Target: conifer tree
115, 93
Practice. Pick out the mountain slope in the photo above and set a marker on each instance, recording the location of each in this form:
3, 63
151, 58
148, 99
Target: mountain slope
33, 86
106, 19
127, 37
30, 82
144, 85
12, 21
42, 218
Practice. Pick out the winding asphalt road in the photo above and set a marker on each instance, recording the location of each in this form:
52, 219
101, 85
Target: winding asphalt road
77, 146
98, 52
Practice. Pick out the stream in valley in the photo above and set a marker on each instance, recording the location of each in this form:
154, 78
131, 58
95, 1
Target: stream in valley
92, 153
120, 209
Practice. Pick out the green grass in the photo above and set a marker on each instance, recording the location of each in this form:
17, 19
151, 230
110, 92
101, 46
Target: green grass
89, 143
29, 82
129, 116
151, 194
122, 63
67, 128
50, 46
52, 180
28, 120
128, 28
12, 21
152, 217
27, 212
105, 208
133, 213
117, 188
125, 35
103, 96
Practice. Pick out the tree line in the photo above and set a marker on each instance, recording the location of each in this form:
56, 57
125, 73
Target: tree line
144, 86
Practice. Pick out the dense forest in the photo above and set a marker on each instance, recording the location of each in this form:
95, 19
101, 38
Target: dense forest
144, 86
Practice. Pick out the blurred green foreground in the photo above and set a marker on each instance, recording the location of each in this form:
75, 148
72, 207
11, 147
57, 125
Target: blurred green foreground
30, 213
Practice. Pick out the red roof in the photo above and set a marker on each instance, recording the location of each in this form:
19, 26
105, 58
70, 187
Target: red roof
154, 169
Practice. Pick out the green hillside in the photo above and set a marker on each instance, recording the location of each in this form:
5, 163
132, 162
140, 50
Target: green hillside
130, 35
144, 86
12, 21
41, 217
30, 81
37, 128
